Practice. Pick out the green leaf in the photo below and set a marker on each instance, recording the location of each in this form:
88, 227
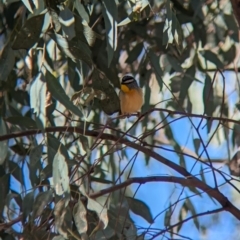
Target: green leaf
191, 208
107, 233
79, 215
231, 23
7, 61
100, 180
24, 122
154, 60
4, 187
16, 171
140, 208
46, 172
124, 21
118, 219
74, 49
3, 144
135, 52
27, 205
28, 5
195, 190
58, 238
101, 211
61, 213
35, 155
82, 11
111, 103
182, 215
29, 34
84, 32
37, 95
59, 94
197, 144
174, 63
54, 144
212, 57
60, 174
167, 216
66, 19
35, 162
186, 82
208, 100
40, 202
109, 12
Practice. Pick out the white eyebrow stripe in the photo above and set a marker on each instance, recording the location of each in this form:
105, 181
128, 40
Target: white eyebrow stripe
128, 81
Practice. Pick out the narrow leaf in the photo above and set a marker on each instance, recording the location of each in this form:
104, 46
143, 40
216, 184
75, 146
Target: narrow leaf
27, 205
40, 202
66, 19
3, 144
7, 61
79, 215
140, 208
100, 210
82, 11
29, 34
110, 18
58, 92
154, 60
4, 187
212, 57
28, 5
60, 174
192, 209
24, 122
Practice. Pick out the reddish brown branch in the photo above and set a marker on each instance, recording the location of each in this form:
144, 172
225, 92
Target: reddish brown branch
226, 204
142, 180
186, 220
9, 224
236, 10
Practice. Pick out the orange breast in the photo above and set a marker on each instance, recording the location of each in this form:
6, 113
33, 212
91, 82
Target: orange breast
131, 101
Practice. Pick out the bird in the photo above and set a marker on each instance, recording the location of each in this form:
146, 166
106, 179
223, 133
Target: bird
130, 96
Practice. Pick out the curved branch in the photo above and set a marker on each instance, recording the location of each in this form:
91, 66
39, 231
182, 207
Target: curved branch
187, 219
213, 192
142, 180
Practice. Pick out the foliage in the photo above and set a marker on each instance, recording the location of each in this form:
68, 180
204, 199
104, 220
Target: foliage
70, 165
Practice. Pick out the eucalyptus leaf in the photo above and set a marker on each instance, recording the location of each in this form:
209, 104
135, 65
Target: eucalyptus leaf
100, 210
40, 202
28, 205
3, 144
82, 11
66, 18
60, 174
7, 61
28, 5
58, 92
29, 34
16, 171
74, 48
110, 18
212, 57
24, 122
155, 62
4, 187
140, 208
79, 215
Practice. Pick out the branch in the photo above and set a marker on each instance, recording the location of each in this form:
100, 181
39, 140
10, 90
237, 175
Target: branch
142, 180
226, 204
236, 10
209, 118
187, 219
9, 224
